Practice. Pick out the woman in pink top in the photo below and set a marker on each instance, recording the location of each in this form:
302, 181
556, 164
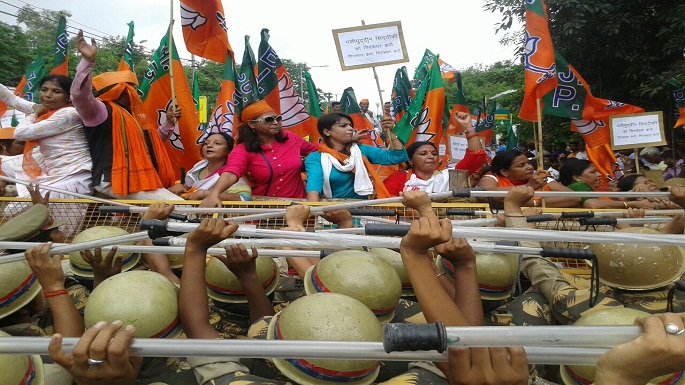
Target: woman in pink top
269, 158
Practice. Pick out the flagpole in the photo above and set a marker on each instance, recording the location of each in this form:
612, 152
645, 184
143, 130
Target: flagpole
375, 75
171, 51
637, 160
538, 146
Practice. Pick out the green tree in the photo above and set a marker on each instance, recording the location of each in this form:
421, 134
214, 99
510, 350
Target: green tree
41, 28
40, 37
16, 54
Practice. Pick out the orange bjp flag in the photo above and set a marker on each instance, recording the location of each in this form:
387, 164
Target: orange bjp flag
350, 106
539, 63
225, 114
184, 145
204, 29
60, 63
275, 87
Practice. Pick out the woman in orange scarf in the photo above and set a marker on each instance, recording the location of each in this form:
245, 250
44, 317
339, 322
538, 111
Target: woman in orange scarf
344, 169
511, 168
129, 159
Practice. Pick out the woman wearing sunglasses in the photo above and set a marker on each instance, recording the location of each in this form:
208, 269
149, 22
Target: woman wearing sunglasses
269, 158
344, 169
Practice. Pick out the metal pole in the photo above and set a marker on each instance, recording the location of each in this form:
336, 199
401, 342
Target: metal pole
373, 351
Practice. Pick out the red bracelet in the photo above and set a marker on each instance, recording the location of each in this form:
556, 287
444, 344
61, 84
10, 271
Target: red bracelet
48, 294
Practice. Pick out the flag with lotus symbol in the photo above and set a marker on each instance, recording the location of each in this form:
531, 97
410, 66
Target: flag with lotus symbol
539, 62
204, 29
275, 87
183, 147
423, 119
224, 117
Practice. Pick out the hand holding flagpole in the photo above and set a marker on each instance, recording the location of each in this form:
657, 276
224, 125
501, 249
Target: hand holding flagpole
171, 50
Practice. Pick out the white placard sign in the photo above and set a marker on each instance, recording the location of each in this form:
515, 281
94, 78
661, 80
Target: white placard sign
458, 146
637, 130
370, 45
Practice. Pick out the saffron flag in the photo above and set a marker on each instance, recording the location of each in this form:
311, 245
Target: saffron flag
573, 99
247, 76
28, 85
314, 108
402, 93
679, 97
126, 62
604, 160
349, 106
459, 105
423, 119
183, 147
275, 87
224, 117
486, 121
204, 29
539, 62
60, 62
447, 71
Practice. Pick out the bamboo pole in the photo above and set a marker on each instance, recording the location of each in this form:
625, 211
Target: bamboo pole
171, 54
538, 145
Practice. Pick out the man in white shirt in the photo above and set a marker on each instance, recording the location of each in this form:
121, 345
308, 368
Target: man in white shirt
364, 106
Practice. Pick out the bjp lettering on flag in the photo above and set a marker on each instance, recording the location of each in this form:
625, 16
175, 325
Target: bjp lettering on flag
60, 62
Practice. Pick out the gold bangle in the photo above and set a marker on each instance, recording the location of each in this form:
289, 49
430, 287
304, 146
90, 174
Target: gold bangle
625, 204
440, 275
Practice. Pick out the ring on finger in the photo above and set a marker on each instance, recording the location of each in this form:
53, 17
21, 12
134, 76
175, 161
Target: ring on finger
673, 329
95, 362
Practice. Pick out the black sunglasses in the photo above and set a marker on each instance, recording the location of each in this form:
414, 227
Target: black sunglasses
269, 119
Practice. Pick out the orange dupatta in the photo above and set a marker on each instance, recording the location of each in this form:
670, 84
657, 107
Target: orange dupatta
29, 164
132, 168
378, 186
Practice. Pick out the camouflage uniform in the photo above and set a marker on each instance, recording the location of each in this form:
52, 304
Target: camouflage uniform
569, 295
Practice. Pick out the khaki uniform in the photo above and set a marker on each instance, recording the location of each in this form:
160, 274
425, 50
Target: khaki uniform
225, 371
